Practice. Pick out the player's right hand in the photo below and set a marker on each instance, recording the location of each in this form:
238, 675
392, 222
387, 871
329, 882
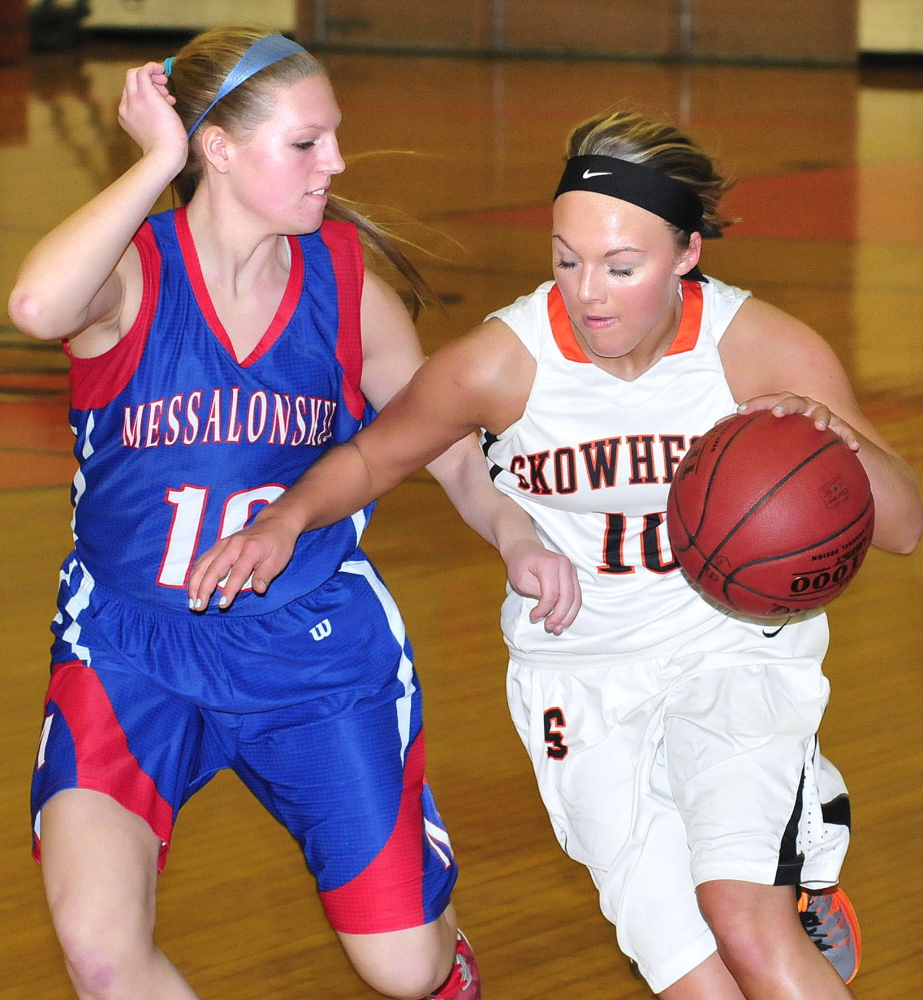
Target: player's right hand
535, 571
146, 113
260, 551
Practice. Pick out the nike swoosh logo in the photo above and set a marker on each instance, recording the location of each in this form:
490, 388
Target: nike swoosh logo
587, 174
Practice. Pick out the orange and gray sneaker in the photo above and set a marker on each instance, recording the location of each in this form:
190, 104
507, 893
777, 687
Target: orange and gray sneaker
464, 982
830, 921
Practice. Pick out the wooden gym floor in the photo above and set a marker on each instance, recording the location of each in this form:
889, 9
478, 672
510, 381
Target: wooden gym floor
830, 197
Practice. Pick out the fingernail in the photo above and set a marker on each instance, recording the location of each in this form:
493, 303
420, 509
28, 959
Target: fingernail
222, 601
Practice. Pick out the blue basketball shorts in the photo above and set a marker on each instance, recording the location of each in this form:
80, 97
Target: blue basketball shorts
315, 706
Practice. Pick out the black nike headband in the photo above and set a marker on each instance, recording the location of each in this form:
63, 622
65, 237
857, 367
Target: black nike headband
672, 200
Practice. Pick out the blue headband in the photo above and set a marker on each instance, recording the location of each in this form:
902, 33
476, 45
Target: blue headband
263, 53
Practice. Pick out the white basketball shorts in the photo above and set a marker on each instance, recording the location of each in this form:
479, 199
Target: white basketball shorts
686, 767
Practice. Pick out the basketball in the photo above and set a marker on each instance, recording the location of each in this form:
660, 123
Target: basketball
768, 516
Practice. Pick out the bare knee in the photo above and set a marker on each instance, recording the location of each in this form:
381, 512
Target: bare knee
403, 983
101, 962
99, 863
409, 977
751, 923
406, 965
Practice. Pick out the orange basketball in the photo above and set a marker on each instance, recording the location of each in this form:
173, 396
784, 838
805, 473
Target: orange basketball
769, 516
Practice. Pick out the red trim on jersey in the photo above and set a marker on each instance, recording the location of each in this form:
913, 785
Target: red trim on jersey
103, 759
284, 312
287, 306
687, 334
342, 241
388, 894
95, 382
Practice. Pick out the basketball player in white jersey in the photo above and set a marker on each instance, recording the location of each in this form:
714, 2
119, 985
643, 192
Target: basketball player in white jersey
674, 744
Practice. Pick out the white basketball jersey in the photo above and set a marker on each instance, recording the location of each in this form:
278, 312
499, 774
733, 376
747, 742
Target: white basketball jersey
592, 459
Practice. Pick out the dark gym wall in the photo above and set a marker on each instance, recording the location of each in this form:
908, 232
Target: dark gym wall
795, 31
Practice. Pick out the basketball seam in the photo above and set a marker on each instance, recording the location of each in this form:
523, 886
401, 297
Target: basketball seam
764, 499
713, 473
730, 578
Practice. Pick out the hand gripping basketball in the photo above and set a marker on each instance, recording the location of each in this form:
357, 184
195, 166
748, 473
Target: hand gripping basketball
769, 516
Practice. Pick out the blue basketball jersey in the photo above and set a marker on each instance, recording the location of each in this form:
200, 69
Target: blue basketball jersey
180, 444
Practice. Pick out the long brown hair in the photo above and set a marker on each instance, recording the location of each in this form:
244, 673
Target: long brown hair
200, 68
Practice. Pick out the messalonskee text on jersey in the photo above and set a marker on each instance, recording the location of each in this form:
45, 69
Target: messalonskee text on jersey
650, 458
221, 416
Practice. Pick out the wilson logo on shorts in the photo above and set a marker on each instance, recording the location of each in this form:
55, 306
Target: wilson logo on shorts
321, 630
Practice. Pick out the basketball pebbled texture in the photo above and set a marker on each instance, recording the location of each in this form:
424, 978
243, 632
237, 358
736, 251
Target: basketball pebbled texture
769, 516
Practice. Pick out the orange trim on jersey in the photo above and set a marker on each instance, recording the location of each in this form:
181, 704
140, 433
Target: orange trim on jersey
95, 382
561, 328
690, 323
283, 314
687, 334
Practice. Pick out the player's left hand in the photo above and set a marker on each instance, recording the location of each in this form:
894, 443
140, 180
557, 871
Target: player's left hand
784, 403
534, 571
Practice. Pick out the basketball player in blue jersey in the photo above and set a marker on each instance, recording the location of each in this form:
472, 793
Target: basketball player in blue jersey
218, 350
674, 744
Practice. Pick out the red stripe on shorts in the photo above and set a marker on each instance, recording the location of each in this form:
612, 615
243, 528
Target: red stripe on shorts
388, 894
104, 761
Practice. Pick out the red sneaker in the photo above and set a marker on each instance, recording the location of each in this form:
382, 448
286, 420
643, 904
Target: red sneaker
464, 982
831, 923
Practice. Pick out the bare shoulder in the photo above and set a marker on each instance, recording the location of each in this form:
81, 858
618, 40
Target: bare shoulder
390, 349
766, 350
382, 311
377, 293
492, 368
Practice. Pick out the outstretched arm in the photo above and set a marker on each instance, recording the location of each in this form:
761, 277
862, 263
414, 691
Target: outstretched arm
474, 382
776, 362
